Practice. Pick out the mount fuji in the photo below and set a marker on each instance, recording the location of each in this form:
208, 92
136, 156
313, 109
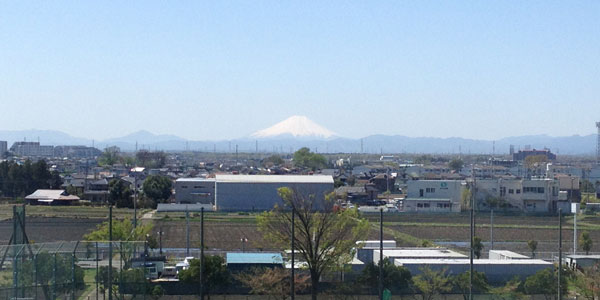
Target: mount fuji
295, 127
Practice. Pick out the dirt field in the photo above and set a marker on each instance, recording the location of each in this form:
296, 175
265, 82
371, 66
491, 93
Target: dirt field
40, 230
219, 235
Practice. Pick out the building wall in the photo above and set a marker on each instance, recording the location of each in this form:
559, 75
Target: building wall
433, 189
532, 195
195, 191
233, 196
3, 148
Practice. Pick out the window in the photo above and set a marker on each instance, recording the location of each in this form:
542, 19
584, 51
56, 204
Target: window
419, 204
184, 186
430, 190
540, 190
198, 187
518, 191
426, 205
511, 191
502, 191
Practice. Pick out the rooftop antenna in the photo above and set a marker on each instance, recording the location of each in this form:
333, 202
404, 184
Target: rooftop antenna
493, 148
256, 145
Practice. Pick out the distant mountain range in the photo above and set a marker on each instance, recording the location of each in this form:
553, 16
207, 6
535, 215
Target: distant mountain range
299, 131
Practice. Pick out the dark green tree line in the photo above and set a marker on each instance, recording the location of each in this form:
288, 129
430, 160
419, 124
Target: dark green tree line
19, 180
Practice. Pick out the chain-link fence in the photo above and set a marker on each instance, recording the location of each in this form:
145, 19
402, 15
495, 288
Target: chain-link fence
74, 270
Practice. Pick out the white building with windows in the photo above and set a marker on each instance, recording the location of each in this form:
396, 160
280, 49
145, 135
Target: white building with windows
529, 195
434, 195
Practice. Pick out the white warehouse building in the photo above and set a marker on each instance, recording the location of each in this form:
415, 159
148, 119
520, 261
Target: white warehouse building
249, 192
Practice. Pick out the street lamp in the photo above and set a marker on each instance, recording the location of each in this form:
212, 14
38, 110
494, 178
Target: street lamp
146, 247
244, 241
160, 234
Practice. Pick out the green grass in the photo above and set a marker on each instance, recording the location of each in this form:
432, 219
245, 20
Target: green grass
89, 277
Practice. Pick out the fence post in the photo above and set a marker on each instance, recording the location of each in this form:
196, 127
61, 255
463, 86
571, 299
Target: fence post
54, 278
97, 259
35, 271
73, 276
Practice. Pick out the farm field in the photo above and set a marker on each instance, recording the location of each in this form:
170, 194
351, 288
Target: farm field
58, 223
222, 232
40, 229
510, 232
74, 212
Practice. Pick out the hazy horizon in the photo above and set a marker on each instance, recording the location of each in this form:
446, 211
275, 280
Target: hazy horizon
223, 70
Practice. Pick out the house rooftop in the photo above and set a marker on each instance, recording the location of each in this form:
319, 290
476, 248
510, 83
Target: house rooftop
254, 258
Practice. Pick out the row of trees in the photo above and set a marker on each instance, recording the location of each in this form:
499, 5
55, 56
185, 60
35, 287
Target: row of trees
143, 158
19, 180
156, 189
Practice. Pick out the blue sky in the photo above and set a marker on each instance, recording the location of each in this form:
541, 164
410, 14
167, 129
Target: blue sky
223, 69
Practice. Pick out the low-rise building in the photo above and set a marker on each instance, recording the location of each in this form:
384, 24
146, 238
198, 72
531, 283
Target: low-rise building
51, 197
496, 270
541, 195
250, 192
433, 196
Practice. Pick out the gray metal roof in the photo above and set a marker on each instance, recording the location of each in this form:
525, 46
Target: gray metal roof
275, 178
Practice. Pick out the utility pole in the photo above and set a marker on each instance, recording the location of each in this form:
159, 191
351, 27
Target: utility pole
559, 251
471, 243
574, 208
492, 229
160, 234
381, 253
110, 248
292, 282
187, 231
202, 252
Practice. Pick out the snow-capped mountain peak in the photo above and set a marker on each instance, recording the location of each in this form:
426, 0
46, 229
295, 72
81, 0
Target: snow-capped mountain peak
296, 126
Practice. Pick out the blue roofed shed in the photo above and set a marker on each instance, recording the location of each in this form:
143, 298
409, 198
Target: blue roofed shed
245, 261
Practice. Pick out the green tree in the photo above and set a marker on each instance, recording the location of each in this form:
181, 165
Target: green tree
512, 290
102, 278
456, 164
324, 236
42, 269
586, 242
480, 283
303, 158
587, 283
532, 247
430, 283
273, 160
215, 273
148, 159
393, 276
122, 231
544, 282
109, 157
477, 247
157, 292
157, 188
120, 194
